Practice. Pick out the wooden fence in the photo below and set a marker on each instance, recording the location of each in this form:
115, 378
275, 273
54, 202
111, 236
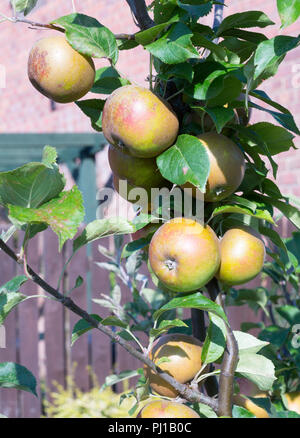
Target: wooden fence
38, 332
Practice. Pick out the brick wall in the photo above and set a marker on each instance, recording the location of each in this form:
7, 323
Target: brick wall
22, 109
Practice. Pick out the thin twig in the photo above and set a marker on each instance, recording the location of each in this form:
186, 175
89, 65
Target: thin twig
125, 36
34, 24
190, 395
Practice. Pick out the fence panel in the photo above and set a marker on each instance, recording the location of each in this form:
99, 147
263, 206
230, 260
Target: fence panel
9, 398
101, 346
28, 333
54, 315
80, 350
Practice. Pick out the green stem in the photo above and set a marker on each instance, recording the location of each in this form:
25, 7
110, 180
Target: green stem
175, 94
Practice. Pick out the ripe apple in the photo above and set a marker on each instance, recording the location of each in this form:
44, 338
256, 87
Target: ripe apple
136, 118
242, 255
127, 191
227, 167
184, 254
58, 71
167, 409
139, 172
184, 354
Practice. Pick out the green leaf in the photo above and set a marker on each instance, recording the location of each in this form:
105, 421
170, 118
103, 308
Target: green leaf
155, 297
245, 20
231, 90
113, 379
259, 214
205, 411
261, 95
164, 10
24, 6
136, 245
270, 52
246, 326
49, 156
88, 36
258, 369
293, 244
273, 236
220, 116
254, 145
240, 412
286, 414
14, 284
186, 161
192, 301
290, 313
147, 36
289, 11
275, 335
8, 301
13, 375
243, 49
79, 281
174, 46
239, 297
81, 327
63, 214
107, 80
166, 325
102, 228
200, 41
253, 37
291, 212
114, 321
208, 81
93, 109
247, 343
31, 185
126, 44
195, 10
277, 139
249, 70
285, 120
182, 71
215, 341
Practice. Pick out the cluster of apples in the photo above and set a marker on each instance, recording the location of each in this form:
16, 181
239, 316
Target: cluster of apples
184, 254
